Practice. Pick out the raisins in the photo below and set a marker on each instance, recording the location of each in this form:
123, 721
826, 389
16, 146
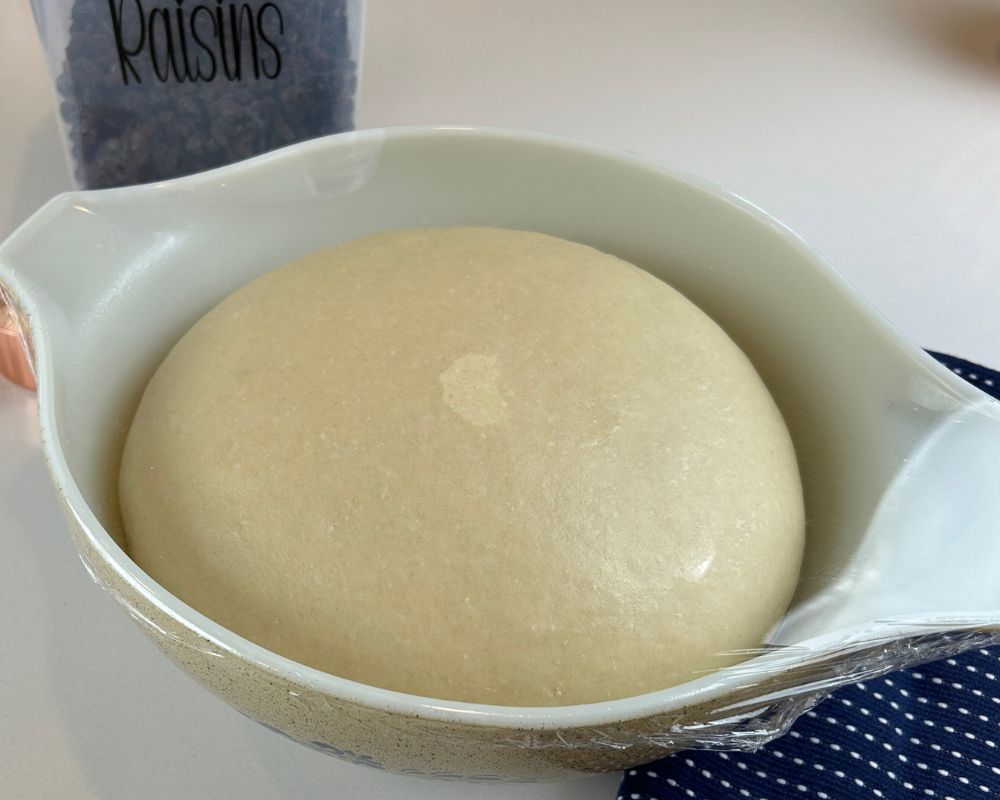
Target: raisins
155, 89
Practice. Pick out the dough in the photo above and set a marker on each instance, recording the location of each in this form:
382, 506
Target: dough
472, 464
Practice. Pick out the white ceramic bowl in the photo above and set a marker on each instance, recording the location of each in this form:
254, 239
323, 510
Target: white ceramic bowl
899, 457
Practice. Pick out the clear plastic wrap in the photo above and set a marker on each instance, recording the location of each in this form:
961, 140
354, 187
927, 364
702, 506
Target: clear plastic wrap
898, 456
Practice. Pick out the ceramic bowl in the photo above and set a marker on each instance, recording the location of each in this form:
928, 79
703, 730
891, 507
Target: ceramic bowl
899, 457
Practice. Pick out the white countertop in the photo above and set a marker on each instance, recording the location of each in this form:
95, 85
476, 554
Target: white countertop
871, 127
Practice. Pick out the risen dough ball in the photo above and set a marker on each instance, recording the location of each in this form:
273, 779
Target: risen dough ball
472, 464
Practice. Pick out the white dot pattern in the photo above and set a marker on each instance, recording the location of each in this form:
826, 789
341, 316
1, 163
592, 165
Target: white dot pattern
929, 732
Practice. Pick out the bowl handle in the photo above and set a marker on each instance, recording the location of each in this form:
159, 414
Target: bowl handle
940, 520
931, 553
28, 290
60, 270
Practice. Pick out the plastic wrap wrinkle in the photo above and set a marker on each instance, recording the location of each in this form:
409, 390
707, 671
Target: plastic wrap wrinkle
142, 619
755, 720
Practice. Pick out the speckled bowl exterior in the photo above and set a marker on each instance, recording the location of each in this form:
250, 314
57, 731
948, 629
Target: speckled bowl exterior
107, 281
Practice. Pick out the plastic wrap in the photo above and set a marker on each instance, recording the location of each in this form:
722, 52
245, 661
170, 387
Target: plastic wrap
898, 456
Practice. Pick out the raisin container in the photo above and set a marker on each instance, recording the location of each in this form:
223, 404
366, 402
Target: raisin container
154, 89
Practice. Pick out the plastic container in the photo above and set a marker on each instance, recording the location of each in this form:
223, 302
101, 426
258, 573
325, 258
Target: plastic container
15, 348
155, 89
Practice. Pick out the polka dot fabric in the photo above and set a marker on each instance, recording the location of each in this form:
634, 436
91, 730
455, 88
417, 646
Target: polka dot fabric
931, 731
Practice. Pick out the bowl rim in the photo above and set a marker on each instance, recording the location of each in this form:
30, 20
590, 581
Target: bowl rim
706, 688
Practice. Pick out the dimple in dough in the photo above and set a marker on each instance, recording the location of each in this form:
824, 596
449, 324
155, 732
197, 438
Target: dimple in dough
471, 464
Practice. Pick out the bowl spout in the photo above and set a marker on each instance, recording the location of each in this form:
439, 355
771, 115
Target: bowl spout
929, 554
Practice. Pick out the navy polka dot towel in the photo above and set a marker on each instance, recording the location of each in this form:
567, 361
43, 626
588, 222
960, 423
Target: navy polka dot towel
928, 732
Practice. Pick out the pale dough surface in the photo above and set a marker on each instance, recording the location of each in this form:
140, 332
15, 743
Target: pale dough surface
469, 463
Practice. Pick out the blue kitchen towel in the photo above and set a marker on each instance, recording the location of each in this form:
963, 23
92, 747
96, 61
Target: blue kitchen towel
928, 732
